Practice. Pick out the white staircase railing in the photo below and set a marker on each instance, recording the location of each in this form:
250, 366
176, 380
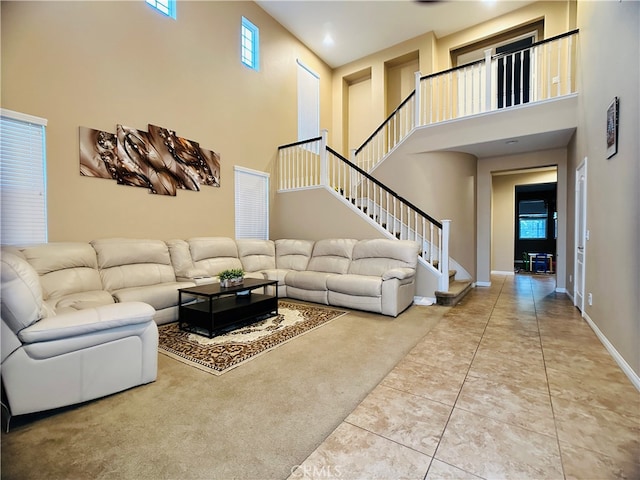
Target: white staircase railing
543, 71
312, 164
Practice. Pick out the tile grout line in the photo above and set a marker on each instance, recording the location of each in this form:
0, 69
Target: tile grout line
444, 429
546, 375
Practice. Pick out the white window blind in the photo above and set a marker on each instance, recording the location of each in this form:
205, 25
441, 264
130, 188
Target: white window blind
252, 203
23, 178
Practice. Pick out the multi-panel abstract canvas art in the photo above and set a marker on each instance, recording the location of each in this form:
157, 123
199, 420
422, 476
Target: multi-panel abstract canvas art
158, 159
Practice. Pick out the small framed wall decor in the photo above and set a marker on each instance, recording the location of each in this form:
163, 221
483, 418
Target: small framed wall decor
613, 113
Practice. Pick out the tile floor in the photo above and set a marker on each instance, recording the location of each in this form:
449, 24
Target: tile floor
511, 384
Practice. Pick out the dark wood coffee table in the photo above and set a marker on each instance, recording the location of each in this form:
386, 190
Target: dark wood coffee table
208, 308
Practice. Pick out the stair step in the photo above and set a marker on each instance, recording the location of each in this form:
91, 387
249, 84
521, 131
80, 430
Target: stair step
457, 290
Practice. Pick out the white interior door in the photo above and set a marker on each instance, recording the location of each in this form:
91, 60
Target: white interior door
581, 235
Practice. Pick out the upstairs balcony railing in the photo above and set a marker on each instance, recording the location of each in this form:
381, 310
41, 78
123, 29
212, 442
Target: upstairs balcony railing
312, 164
540, 72
543, 71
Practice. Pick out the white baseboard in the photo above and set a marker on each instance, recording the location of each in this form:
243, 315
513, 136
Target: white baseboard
483, 284
626, 368
562, 290
500, 272
573, 300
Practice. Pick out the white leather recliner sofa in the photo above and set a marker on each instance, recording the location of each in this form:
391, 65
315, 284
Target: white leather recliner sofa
376, 275
75, 344
79, 320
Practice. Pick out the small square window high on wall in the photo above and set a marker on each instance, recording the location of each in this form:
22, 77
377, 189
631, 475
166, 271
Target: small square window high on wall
250, 44
166, 7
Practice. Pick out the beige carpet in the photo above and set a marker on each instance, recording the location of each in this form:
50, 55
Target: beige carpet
236, 345
256, 422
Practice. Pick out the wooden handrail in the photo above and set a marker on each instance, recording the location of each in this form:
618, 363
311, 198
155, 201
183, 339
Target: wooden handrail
385, 188
385, 122
295, 144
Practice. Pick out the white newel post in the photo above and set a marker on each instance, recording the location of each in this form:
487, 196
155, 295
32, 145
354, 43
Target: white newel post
324, 168
444, 247
418, 102
487, 73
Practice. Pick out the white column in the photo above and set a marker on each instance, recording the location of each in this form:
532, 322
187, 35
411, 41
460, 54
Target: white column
417, 108
444, 247
324, 169
487, 87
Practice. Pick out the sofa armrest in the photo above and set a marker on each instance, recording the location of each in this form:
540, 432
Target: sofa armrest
399, 273
88, 321
194, 272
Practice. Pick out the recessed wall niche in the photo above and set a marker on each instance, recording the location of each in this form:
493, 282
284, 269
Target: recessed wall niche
158, 160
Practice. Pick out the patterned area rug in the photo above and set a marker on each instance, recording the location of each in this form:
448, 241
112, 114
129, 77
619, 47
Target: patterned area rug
236, 345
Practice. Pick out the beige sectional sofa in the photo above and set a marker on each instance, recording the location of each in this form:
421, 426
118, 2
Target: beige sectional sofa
79, 320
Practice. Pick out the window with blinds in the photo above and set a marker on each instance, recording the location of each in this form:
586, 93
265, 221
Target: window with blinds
251, 203
23, 180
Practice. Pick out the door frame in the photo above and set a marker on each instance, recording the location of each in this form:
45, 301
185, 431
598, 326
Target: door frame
580, 249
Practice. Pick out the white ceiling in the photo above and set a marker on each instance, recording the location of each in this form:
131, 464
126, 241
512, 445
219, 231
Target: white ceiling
361, 27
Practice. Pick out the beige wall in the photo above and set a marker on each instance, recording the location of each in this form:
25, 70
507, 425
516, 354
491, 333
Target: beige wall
360, 115
443, 185
609, 67
557, 15
504, 212
433, 56
487, 167
98, 64
316, 214
376, 64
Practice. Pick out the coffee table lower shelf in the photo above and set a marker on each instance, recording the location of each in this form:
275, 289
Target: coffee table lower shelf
212, 315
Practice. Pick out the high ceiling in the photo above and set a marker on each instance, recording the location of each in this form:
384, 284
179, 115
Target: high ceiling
342, 31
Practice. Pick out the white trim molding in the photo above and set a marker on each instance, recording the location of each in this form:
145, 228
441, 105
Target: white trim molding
626, 368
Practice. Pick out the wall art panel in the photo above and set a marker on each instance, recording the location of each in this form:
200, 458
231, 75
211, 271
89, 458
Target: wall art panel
159, 159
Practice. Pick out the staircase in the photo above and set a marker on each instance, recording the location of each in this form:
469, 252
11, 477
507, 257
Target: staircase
459, 92
457, 290
312, 164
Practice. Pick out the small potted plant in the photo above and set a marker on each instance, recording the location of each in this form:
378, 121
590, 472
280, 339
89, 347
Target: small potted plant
231, 277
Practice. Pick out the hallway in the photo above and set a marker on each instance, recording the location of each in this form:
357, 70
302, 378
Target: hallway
511, 384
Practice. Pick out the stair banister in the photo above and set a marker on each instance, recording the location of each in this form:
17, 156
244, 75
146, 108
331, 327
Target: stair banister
324, 168
444, 256
488, 83
417, 101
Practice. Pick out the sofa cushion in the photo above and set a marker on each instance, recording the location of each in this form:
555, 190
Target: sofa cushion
115, 252
81, 300
308, 280
159, 296
256, 255
214, 254
331, 255
356, 285
21, 292
182, 261
65, 269
293, 254
75, 324
127, 263
376, 256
